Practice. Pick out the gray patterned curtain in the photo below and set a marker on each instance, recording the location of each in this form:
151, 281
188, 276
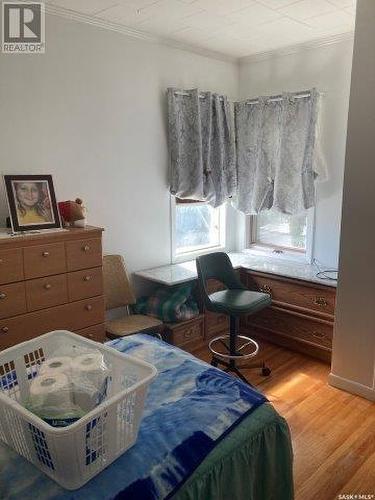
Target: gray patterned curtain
275, 143
201, 146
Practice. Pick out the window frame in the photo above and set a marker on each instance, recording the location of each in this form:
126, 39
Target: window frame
286, 252
190, 255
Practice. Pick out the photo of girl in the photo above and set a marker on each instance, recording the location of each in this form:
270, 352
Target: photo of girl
32, 202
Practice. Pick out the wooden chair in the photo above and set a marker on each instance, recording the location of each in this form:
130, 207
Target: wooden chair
118, 293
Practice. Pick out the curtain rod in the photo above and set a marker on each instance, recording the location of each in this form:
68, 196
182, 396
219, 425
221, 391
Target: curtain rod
186, 94
276, 98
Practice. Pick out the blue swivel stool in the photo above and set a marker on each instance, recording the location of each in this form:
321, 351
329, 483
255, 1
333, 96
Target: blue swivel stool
234, 301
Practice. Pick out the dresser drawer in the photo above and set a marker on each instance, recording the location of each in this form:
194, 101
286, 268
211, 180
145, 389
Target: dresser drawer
12, 300
83, 254
215, 324
295, 326
71, 317
11, 265
187, 333
86, 283
96, 332
85, 313
15, 330
44, 260
46, 292
317, 299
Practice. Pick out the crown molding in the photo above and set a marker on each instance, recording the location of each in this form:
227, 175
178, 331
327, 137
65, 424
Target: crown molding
73, 15
299, 47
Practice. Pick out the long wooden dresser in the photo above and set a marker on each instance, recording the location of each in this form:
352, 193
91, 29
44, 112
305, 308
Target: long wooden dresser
51, 281
301, 316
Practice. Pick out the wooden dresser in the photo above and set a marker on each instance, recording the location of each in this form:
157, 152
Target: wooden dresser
193, 334
301, 316
51, 281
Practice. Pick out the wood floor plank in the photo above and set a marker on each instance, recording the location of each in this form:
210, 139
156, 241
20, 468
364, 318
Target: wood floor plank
333, 473
333, 432
364, 475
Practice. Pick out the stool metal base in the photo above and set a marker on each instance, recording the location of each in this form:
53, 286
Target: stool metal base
231, 367
238, 354
228, 361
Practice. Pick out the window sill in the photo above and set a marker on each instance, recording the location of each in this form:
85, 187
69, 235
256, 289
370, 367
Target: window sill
192, 255
287, 255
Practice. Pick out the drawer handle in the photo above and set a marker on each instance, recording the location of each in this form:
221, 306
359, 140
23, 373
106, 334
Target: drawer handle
85, 248
88, 307
1, 261
87, 278
45, 254
5, 329
319, 335
188, 334
3, 295
265, 289
48, 286
320, 301
91, 335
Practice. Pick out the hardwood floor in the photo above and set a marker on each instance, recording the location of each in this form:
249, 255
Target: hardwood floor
333, 432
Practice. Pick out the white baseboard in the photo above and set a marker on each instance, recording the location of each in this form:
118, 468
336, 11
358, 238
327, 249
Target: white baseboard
350, 386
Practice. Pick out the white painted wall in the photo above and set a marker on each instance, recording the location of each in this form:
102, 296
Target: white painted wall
327, 68
91, 111
353, 361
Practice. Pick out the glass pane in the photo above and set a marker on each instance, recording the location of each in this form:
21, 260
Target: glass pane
197, 227
276, 229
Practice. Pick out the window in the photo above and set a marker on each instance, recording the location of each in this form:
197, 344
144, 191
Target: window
197, 227
282, 233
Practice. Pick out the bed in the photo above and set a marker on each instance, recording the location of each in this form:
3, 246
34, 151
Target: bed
250, 458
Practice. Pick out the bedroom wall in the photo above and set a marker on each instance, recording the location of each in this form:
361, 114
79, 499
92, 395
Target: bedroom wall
328, 68
91, 111
353, 360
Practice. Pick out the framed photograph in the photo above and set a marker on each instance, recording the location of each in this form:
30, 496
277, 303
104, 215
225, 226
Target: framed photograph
32, 202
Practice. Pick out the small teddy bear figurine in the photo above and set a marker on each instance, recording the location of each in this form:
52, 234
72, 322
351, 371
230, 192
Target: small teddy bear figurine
73, 213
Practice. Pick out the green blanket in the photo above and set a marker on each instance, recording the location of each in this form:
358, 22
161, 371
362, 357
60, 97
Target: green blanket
253, 462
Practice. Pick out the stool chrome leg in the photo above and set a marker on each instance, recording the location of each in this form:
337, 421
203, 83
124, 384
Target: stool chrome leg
228, 361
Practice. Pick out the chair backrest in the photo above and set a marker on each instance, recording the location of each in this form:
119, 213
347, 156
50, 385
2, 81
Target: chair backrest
117, 289
216, 266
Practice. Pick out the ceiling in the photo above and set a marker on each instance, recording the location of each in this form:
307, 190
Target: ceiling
234, 28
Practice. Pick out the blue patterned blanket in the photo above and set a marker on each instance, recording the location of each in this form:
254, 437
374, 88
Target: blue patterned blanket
190, 407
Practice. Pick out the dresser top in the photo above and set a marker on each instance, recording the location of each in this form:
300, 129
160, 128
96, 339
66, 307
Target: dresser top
186, 271
8, 240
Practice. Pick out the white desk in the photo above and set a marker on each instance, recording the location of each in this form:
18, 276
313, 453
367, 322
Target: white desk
184, 272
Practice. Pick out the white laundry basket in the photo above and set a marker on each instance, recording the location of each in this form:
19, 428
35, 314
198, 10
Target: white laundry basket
71, 455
